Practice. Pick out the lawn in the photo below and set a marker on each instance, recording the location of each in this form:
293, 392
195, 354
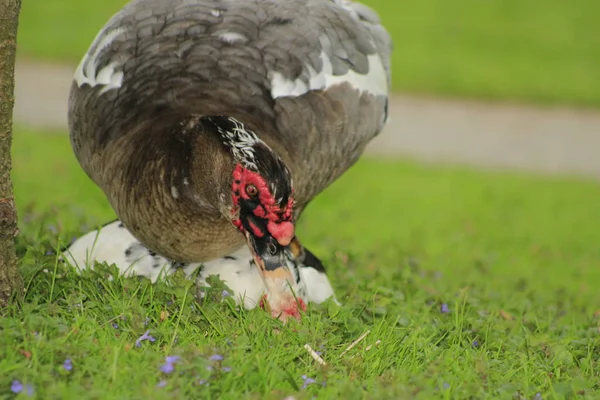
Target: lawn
477, 284
528, 50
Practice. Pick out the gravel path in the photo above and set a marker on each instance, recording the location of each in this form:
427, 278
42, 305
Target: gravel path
548, 140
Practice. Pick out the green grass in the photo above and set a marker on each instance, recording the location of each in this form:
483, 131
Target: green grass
533, 50
514, 257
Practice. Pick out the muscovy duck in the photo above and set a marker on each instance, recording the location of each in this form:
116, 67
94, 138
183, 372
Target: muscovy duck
213, 123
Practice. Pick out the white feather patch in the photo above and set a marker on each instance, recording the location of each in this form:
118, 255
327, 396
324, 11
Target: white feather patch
318, 287
114, 244
375, 81
87, 72
233, 37
239, 275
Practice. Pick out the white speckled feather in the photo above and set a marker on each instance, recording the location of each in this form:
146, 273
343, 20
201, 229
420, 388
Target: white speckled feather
374, 82
88, 73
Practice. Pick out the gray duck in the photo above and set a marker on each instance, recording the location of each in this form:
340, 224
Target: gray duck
213, 123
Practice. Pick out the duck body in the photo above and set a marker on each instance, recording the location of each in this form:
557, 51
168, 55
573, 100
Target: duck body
178, 104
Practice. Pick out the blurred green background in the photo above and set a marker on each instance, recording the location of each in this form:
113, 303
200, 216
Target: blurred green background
545, 51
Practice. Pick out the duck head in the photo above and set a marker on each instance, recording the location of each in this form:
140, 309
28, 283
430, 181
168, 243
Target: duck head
263, 210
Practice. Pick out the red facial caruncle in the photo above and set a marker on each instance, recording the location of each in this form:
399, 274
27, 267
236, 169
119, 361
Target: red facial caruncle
279, 223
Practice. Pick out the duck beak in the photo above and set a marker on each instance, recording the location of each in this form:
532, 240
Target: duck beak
272, 263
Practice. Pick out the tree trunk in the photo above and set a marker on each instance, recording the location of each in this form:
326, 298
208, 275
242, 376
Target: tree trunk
9, 276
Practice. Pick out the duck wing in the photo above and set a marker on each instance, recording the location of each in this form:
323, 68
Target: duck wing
310, 77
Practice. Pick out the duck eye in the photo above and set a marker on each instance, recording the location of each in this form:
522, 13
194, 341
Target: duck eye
251, 190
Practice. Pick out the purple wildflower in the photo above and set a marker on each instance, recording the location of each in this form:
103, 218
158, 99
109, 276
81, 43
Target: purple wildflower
226, 369
16, 386
167, 368
115, 325
169, 365
68, 364
444, 309
225, 294
475, 343
161, 384
145, 336
216, 357
307, 381
172, 359
446, 385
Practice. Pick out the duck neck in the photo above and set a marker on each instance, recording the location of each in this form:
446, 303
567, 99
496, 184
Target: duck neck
170, 179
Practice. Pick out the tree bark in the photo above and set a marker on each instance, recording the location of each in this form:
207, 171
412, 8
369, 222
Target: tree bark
10, 280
